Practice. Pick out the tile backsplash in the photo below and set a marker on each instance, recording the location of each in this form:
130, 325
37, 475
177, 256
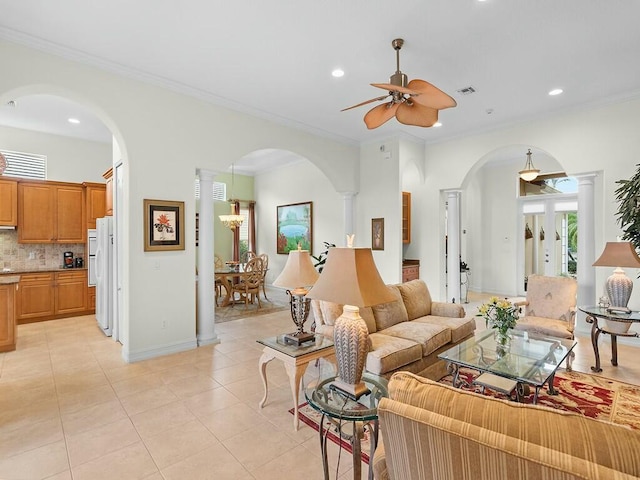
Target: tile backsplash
33, 256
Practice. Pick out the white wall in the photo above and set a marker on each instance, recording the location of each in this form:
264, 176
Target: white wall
164, 137
68, 159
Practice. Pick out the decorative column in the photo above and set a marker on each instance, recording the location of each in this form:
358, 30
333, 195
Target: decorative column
206, 321
453, 246
586, 246
349, 209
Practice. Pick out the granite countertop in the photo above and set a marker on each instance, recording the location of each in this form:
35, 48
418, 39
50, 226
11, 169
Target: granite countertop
5, 279
39, 270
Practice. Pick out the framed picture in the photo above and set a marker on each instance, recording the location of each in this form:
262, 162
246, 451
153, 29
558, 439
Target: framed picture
294, 227
163, 225
377, 234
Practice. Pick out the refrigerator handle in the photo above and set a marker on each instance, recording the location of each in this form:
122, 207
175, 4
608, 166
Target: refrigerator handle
98, 256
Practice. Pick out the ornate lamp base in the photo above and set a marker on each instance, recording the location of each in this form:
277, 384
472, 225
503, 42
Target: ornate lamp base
619, 288
350, 337
299, 313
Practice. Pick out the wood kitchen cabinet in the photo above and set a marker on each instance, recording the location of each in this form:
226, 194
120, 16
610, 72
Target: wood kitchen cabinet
7, 317
108, 176
8, 203
51, 212
36, 297
49, 295
406, 217
91, 299
95, 195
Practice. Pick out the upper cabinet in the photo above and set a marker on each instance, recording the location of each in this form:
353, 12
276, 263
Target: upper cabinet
406, 217
108, 176
96, 202
51, 212
8, 202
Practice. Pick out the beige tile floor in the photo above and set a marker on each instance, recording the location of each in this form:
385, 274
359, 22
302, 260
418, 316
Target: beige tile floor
71, 408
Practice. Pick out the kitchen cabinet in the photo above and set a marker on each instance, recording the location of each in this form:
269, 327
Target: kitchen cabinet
36, 297
91, 299
95, 195
49, 295
108, 176
406, 217
51, 212
7, 314
8, 203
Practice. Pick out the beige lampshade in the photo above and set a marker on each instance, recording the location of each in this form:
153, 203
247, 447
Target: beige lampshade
298, 271
618, 254
350, 277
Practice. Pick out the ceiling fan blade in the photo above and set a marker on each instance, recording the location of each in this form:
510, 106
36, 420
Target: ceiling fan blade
380, 114
416, 114
364, 103
430, 95
395, 88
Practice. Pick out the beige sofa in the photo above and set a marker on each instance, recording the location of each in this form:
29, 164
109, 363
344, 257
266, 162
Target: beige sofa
434, 431
406, 334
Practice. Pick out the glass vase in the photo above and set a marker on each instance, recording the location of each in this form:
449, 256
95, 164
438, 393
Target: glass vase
503, 342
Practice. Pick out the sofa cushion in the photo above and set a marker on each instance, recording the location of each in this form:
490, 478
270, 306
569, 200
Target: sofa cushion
416, 298
601, 443
460, 327
327, 313
390, 353
388, 314
429, 336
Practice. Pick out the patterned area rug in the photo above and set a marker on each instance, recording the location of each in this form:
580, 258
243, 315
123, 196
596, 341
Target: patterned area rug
590, 395
276, 301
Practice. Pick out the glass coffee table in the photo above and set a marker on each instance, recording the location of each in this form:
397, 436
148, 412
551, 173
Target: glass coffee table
295, 359
531, 361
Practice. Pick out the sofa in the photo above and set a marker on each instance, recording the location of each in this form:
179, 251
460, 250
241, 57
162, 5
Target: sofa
406, 334
434, 431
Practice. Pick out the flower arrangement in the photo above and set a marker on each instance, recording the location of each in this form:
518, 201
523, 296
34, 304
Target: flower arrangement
499, 314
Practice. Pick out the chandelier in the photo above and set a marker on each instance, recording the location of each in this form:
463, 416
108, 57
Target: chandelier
529, 172
234, 219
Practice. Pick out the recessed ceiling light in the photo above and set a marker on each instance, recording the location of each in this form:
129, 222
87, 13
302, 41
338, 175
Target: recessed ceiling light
74, 120
338, 72
555, 91
437, 124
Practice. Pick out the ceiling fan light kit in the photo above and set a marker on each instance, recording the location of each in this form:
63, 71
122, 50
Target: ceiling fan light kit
414, 102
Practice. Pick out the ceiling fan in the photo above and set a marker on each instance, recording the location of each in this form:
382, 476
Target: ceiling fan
414, 103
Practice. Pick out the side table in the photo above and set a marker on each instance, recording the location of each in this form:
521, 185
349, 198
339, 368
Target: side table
339, 408
295, 359
593, 314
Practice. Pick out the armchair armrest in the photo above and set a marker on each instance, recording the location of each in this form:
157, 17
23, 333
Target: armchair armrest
451, 310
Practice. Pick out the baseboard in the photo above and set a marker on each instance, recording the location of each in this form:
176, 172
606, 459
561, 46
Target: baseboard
131, 357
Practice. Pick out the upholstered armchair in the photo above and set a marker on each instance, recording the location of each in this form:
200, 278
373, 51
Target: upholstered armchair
550, 308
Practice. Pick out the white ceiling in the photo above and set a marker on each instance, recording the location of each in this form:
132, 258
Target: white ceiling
274, 59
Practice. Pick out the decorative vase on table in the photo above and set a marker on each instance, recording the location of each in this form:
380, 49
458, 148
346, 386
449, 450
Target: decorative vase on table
501, 316
503, 341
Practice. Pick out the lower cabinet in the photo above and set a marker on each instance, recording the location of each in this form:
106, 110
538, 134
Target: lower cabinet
48, 295
410, 272
91, 298
7, 317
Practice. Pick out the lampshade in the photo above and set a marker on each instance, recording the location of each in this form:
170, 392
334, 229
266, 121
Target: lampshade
529, 172
618, 286
618, 254
350, 277
298, 271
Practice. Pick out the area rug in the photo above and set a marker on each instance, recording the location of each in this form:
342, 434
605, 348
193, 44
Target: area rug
277, 301
589, 395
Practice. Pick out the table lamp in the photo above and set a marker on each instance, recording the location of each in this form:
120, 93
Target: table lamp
618, 285
350, 278
297, 275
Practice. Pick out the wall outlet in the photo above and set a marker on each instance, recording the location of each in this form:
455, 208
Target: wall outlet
164, 324
32, 255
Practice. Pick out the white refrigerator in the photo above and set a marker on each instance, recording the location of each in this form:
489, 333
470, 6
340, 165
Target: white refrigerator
104, 275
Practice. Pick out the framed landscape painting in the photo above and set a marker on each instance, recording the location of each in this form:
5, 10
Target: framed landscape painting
294, 227
163, 225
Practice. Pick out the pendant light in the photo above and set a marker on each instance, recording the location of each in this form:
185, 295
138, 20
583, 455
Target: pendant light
529, 172
234, 219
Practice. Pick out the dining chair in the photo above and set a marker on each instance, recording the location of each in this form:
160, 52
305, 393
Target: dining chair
218, 265
248, 287
265, 268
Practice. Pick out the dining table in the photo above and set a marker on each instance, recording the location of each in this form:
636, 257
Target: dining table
228, 276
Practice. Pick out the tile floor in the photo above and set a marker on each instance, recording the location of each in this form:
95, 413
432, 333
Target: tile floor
70, 408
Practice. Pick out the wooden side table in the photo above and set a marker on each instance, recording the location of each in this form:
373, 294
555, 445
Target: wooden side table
295, 359
593, 314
